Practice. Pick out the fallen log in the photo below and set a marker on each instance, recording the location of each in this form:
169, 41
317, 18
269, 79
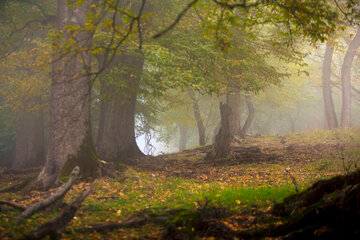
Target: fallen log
56, 226
2, 202
60, 192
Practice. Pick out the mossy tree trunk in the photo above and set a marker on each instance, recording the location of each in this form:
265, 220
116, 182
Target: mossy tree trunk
70, 140
30, 146
116, 137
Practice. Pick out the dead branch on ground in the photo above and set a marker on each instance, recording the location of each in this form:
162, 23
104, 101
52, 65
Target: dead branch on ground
60, 192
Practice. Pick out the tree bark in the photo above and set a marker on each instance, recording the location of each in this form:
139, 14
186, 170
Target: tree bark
234, 101
346, 80
70, 140
250, 118
198, 118
292, 124
30, 146
116, 137
183, 129
330, 114
221, 147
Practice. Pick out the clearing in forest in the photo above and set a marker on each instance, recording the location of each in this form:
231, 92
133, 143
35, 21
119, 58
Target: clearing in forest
179, 189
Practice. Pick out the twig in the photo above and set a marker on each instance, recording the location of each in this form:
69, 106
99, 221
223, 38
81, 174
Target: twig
292, 179
36, 207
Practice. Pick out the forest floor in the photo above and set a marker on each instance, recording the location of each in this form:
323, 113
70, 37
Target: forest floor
241, 188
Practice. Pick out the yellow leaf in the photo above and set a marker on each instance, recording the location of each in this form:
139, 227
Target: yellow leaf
76, 75
238, 201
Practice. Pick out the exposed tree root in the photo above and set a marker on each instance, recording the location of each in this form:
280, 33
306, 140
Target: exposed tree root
60, 192
315, 193
330, 209
133, 221
18, 186
56, 226
2, 202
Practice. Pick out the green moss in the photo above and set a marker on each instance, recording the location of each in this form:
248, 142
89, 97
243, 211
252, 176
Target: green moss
186, 220
86, 159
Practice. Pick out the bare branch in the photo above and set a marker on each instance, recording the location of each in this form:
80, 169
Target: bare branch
48, 201
177, 20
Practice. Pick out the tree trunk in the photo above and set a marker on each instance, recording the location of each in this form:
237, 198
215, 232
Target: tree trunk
250, 118
116, 138
292, 124
183, 128
70, 140
330, 114
30, 147
198, 118
234, 101
346, 80
221, 147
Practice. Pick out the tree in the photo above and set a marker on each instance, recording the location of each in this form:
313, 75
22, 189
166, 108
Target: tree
234, 100
183, 130
251, 114
197, 114
116, 137
70, 140
221, 147
25, 91
346, 80
30, 145
327, 93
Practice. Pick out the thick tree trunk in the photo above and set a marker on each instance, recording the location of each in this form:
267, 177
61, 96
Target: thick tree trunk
70, 140
346, 80
233, 102
198, 118
30, 147
183, 129
116, 137
221, 147
330, 114
250, 118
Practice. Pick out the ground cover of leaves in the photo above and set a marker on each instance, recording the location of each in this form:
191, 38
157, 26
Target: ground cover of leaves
245, 183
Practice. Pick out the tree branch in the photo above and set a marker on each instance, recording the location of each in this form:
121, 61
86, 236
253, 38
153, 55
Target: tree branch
177, 20
48, 201
56, 226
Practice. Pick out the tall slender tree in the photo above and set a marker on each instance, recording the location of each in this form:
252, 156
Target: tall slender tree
330, 114
346, 79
